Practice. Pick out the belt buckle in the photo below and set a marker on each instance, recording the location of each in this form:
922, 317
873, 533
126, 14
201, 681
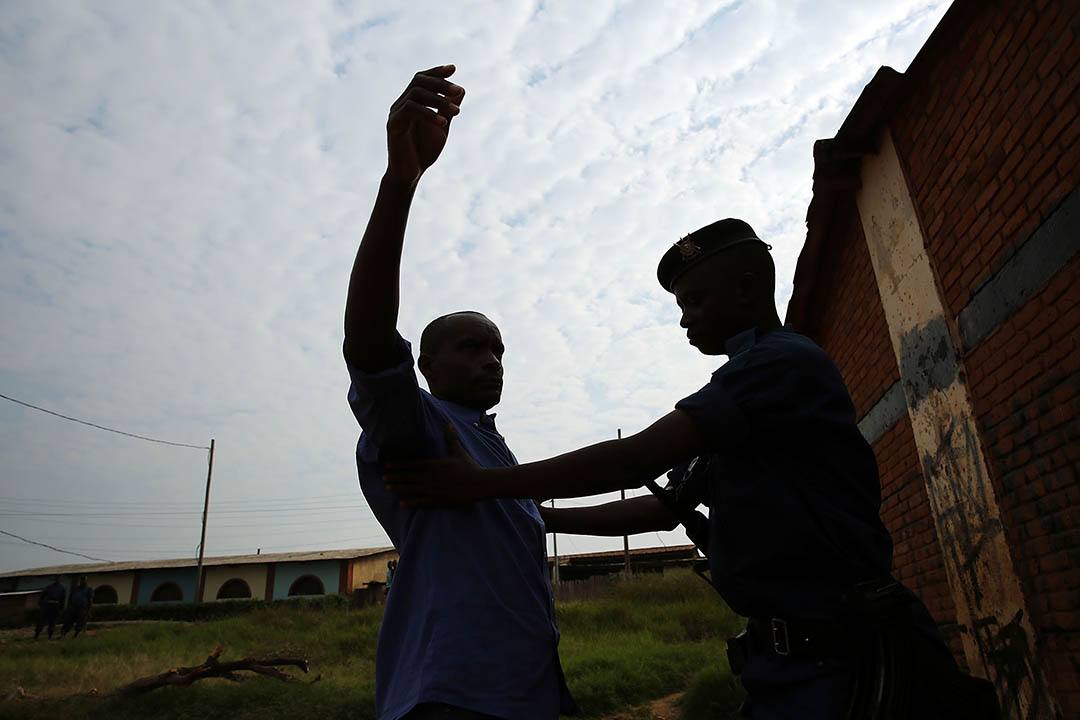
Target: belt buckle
780, 643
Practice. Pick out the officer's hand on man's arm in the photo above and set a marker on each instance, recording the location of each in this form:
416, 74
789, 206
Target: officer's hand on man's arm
612, 465
621, 517
416, 133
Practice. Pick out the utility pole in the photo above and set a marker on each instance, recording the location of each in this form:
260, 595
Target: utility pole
625, 539
555, 547
202, 540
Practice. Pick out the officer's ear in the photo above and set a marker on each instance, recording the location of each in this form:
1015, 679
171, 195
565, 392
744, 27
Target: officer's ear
747, 289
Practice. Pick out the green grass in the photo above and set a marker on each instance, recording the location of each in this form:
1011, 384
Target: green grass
654, 636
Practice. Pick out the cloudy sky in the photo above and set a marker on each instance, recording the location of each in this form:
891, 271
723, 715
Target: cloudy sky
183, 187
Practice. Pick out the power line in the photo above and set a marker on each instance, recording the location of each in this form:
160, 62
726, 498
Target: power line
69, 552
318, 500
102, 427
129, 505
11, 512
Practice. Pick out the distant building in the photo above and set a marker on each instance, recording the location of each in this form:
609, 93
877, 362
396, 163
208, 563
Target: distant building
582, 566
270, 576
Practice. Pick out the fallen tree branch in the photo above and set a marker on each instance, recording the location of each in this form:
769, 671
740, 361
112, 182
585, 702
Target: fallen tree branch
179, 676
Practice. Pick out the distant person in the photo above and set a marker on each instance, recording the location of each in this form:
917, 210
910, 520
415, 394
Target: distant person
470, 631
794, 538
50, 605
82, 599
391, 566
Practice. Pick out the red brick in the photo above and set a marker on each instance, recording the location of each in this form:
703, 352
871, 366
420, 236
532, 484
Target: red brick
1054, 54
1068, 88
1046, 88
1041, 190
1061, 120
984, 197
1068, 163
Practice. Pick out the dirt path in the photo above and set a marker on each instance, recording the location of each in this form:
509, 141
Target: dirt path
666, 708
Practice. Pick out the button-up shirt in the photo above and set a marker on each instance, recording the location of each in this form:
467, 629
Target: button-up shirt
470, 619
791, 484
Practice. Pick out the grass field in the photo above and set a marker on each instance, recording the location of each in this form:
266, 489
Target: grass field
654, 636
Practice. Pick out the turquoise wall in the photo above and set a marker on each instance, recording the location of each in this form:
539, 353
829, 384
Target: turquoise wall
150, 579
37, 583
329, 571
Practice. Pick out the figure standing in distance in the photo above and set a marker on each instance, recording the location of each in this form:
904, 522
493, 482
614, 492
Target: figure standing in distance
794, 538
82, 599
50, 604
391, 567
469, 631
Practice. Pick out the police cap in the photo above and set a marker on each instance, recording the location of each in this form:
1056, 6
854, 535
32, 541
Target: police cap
702, 244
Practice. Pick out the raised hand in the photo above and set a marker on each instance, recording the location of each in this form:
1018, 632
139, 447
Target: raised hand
454, 480
419, 123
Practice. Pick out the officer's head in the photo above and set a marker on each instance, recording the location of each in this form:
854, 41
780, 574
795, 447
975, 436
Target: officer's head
461, 358
82, 581
723, 279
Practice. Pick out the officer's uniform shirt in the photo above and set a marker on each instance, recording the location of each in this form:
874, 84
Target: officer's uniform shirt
53, 596
791, 484
82, 597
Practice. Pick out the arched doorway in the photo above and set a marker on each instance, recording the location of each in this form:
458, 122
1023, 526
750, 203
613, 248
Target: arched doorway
233, 589
167, 592
307, 585
105, 595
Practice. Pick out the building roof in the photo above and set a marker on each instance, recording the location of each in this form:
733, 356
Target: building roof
88, 568
665, 550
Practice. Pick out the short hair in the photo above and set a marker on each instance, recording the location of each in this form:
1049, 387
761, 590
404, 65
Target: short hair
437, 331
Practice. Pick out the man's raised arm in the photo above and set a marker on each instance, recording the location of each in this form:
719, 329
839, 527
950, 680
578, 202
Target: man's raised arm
416, 133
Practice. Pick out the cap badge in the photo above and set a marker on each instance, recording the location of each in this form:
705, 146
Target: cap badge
688, 248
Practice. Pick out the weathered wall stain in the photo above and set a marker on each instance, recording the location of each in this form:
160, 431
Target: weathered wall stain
926, 361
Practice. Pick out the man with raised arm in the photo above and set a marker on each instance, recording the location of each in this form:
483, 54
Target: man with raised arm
469, 628
794, 539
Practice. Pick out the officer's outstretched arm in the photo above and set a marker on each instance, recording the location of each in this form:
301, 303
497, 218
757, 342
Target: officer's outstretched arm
621, 517
612, 465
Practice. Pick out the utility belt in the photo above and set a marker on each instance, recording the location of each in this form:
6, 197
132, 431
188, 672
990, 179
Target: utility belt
859, 608
797, 638
891, 665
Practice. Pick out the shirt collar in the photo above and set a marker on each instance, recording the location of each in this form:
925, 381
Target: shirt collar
741, 342
470, 415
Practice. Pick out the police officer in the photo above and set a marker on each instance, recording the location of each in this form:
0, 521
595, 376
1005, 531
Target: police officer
50, 603
82, 598
770, 445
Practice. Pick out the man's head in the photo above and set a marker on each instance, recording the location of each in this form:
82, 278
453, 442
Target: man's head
461, 357
82, 581
57, 578
723, 279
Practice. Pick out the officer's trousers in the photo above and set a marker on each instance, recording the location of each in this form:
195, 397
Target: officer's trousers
47, 615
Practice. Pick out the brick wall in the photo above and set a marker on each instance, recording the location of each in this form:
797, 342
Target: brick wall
990, 141
990, 137
857, 339
905, 510
1025, 381
987, 126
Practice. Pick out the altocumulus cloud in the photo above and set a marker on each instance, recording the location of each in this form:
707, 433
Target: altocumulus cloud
183, 187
